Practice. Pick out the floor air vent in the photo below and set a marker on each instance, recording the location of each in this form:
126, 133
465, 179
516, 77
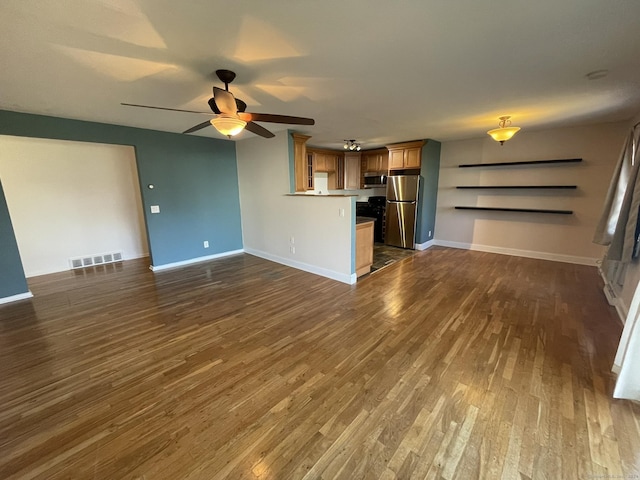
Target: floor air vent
92, 260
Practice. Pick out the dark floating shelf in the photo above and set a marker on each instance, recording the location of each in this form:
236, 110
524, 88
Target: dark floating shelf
563, 187
527, 210
530, 162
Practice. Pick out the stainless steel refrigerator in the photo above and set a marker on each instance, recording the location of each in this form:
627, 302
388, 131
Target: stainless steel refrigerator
401, 211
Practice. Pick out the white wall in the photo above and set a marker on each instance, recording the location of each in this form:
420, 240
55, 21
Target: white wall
556, 237
68, 199
270, 217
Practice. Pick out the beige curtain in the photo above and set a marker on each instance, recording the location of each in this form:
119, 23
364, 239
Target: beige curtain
617, 225
623, 241
617, 228
613, 202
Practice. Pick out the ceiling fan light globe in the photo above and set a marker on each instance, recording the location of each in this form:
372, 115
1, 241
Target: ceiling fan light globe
503, 134
228, 126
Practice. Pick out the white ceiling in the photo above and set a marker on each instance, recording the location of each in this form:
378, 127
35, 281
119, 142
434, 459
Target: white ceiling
377, 71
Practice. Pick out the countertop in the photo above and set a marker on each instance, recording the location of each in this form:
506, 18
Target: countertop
360, 220
320, 195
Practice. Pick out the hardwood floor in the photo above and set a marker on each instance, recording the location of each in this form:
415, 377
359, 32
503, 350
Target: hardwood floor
448, 364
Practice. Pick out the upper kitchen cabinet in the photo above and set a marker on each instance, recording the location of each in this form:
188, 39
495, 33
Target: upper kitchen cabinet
302, 164
324, 161
406, 155
330, 162
375, 161
351, 171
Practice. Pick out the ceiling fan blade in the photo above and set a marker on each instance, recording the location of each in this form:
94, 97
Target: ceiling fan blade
259, 130
267, 117
225, 101
200, 126
164, 108
212, 105
241, 105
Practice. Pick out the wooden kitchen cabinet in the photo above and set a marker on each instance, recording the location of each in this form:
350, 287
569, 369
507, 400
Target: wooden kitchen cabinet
364, 248
352, 171
413, 157
384, 161
324, 161
396, 159
336, 179
375, 161
406, 155
303, 170
331, 163
319, 162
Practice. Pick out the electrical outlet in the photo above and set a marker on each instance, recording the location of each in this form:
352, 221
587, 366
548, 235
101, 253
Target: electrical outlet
292, 249
206, 244
429, 233
292, 240
341, 212
155, 208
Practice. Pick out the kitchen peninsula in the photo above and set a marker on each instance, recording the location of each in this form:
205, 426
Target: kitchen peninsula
324, 172
364, 235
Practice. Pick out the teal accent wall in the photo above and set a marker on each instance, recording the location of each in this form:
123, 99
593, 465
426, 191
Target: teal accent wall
195, 179
429, 171
12, 281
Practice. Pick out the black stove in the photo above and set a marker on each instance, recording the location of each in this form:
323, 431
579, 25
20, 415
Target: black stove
374, 208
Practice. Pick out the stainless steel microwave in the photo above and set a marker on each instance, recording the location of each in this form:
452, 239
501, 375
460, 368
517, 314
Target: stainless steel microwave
373, 180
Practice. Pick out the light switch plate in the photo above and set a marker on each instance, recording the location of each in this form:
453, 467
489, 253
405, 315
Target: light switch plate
155, 208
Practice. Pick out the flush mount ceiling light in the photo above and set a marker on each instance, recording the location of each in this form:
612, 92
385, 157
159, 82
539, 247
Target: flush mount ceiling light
228, 125
351, 145
505, 131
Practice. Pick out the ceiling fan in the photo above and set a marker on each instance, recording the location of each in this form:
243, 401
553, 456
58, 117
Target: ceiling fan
230, 115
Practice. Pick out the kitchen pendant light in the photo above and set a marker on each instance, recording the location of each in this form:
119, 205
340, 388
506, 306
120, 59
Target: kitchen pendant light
505, 131
351, 145
227, 125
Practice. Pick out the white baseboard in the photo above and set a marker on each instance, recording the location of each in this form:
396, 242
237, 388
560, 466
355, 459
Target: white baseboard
68, 268
425, 245
136, 256
323, 272
555, 257
167, 266
622, 310
15, 298
613, 299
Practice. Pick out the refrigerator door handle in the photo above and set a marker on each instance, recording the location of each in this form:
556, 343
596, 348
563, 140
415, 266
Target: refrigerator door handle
400, 201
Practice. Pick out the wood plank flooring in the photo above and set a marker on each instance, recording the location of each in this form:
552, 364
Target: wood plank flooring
449, 364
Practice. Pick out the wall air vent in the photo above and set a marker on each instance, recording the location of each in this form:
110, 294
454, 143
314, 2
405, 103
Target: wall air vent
95, 259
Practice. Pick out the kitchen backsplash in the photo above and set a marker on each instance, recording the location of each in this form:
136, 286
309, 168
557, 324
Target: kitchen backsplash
321, 187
